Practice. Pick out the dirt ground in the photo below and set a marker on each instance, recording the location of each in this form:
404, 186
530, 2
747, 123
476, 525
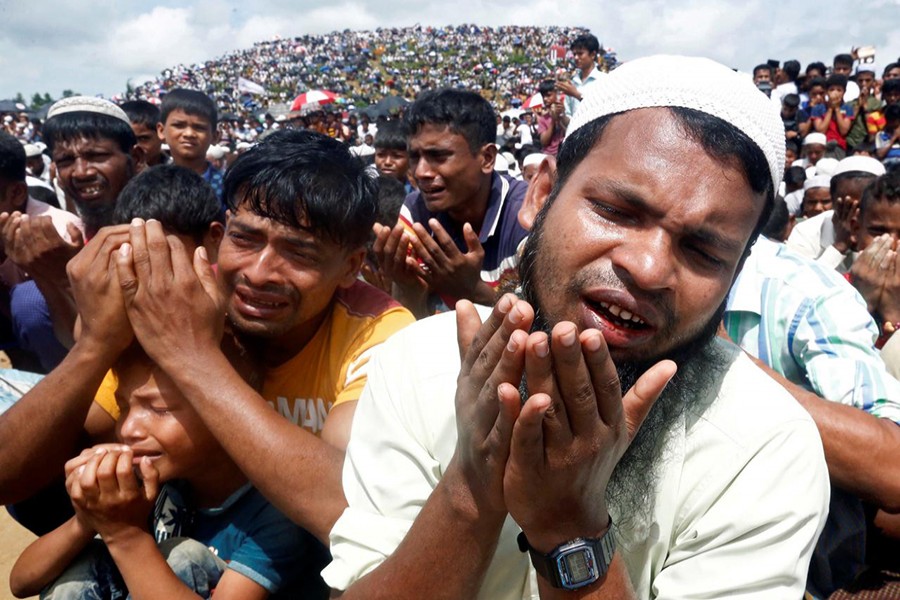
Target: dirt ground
13, 539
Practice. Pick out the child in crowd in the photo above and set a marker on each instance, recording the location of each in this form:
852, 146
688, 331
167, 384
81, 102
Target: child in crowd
188, 124
391, 157
144, 118
209, 528
173, 512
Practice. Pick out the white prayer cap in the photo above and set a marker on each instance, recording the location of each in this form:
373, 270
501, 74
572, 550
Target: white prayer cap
501, 165
689, 82
826, 166
532, 159
31, 150
216, 152
866, 164
814, 138
819, 181
87, 104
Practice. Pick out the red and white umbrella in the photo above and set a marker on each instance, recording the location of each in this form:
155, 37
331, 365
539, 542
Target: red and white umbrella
534, 101
313, 97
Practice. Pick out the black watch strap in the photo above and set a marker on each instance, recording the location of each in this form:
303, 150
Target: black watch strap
548, 565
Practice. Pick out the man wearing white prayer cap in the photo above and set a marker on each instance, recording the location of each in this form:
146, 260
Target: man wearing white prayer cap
596, 435
530, 165
827, 237
816, 195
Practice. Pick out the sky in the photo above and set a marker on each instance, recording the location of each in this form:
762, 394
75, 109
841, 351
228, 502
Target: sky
97, 47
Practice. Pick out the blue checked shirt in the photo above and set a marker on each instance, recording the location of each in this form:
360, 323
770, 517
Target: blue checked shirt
809, 324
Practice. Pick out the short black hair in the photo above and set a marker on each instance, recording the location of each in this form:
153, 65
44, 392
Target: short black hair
791, 68
888, 67
843, 59
795, 176
762, 67
465, 113
72, 126
885, 188
848, 176
180, 199
546, 86
391, 194
792, 145
587, 41
817, 81
12, 158
191, 102
141, 112
836, 80
890, 86
391, 135
776, 226
722, 141
816, 65
892, 112
306, 180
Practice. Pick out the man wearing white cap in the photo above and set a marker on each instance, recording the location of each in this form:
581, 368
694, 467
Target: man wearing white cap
530, 165
95, 153
816, 196
813, 149
722, 490
827, 236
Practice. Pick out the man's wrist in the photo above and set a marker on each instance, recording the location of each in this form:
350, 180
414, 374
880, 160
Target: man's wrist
546, 539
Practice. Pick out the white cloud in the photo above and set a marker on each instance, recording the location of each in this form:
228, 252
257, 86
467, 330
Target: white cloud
95, 47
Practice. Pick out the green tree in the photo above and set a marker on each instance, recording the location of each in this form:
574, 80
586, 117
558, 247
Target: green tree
19, 98
37, 100
48, 99
69, 93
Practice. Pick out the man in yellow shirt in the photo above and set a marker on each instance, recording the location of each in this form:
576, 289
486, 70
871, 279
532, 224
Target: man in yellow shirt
301, 209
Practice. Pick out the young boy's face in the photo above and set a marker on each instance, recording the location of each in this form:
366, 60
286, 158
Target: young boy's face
148, 139
835, 94
879, 217
157, 421
393, 163
188, 136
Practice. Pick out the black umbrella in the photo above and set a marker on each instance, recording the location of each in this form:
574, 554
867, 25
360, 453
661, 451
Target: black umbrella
11, 106
386, 106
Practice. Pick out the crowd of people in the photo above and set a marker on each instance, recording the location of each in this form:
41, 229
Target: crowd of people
478, 346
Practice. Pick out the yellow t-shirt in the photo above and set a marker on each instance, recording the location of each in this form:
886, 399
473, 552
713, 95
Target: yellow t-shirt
331, 368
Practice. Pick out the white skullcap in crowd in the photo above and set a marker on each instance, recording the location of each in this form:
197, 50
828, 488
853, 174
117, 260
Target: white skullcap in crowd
533, 159
87, 104
826, 166
866, 164
32, 150
815, 138
819, 181
216, 152
690, 82
501, 165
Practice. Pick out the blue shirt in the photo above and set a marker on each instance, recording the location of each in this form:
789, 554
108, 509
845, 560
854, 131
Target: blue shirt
248, 533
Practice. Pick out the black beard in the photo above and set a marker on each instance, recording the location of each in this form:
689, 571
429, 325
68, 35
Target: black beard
95, 215
632, 487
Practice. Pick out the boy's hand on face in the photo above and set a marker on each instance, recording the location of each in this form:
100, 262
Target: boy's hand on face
106, 493
98, 295
889, 309
391, 248
171, 298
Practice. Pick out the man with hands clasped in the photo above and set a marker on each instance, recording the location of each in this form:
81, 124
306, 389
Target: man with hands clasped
599, 441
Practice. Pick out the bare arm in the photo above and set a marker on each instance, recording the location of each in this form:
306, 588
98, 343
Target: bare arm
45, 427
465, 511
883, 151
46, 558
845, 430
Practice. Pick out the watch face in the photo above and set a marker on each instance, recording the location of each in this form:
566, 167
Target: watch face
577, 568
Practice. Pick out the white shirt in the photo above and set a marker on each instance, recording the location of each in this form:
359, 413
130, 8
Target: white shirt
740, 501
571, 103
814, 238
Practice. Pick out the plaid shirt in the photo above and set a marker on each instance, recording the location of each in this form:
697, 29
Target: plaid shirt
809, 324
